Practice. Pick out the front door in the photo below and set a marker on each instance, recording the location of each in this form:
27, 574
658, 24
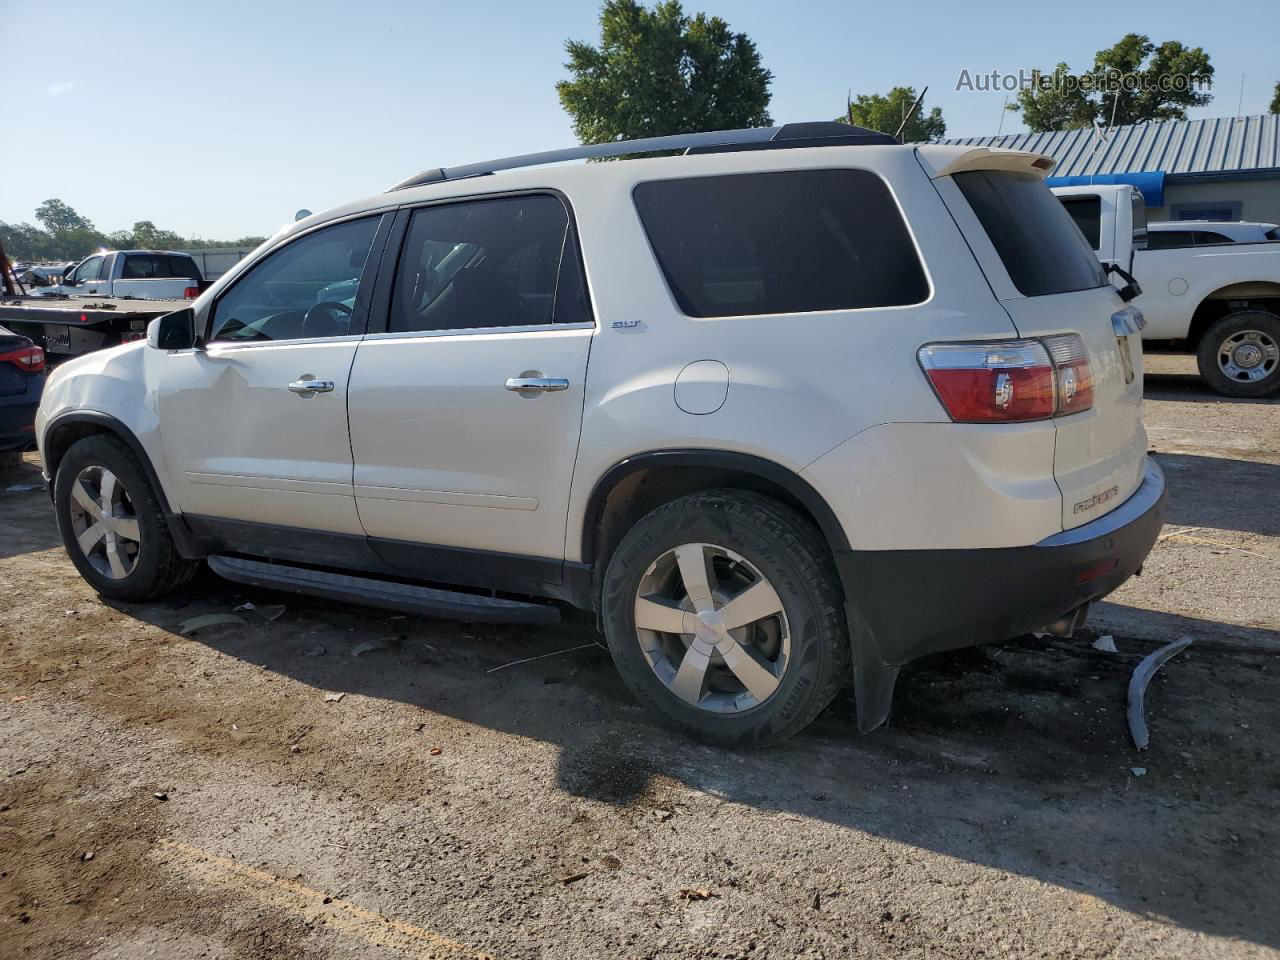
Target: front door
254, 424
465, 409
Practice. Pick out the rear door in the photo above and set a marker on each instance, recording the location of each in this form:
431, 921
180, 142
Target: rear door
1048, 279
467, 405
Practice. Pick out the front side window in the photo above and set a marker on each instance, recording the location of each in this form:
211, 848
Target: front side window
487, 263
785, 242
305, 289
1041, 249
91, 269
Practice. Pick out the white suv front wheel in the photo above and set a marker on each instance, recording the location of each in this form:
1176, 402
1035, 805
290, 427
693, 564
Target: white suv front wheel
723, 612
112, 523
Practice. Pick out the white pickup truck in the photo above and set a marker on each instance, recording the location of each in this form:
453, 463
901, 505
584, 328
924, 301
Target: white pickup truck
136, 274
1221, 301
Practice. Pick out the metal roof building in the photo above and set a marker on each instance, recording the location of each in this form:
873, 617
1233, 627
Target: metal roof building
1226, 168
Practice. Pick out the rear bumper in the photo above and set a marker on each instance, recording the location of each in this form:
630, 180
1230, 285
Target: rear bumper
915, 602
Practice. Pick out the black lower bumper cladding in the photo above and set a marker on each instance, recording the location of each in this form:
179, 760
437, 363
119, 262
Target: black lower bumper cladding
903, 604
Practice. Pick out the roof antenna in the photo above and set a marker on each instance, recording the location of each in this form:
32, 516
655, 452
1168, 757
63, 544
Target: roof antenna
897, 134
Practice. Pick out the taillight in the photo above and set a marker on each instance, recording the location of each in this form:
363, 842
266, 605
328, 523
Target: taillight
30, 359
1005, 381
190, 293
1075, 376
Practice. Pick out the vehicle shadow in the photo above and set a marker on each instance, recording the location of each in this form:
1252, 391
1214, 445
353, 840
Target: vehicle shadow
1013, 757
1222, 493
1190, 387
25, 511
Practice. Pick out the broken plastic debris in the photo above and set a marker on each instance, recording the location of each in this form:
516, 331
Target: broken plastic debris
317, 651
333, 697
1138, 687
1106, 643
1138, 771
268, 611
369, 646
208, 620
22, 488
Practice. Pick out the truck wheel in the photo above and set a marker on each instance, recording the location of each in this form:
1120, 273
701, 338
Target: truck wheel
724, 614
1239, 356
112, 524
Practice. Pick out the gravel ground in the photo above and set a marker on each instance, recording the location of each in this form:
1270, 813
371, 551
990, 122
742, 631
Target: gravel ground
214, 796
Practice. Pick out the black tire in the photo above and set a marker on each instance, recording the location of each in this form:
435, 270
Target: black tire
158, 568
1216, 337
786, 549
10, 459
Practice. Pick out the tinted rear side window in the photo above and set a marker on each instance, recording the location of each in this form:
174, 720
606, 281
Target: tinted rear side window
1087, 213
786, 242
1167, 239
1031, 231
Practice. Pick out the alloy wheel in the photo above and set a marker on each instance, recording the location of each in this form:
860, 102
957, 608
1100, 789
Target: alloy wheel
712, 628
104, 522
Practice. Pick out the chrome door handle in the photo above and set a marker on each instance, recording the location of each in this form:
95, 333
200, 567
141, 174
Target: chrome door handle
310, 386
537, 384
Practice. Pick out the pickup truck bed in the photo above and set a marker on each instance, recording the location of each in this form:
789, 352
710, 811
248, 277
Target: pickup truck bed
75, 325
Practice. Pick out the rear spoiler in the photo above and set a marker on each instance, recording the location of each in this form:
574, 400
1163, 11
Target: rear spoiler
938, 163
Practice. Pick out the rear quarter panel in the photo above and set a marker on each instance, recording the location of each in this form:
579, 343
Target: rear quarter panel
799, 385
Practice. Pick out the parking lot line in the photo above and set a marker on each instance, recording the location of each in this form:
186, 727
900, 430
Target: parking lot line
302, 900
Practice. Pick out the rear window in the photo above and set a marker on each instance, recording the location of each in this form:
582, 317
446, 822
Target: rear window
1031, 232
783, 242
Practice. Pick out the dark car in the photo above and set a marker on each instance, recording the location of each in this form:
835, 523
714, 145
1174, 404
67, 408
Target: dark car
21, 383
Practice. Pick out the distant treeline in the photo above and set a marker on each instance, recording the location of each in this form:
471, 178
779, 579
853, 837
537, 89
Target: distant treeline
64, 234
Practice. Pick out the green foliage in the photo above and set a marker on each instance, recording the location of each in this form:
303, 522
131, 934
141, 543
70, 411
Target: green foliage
1130, 82
1275, 100
64, 234
884, 112
658, 72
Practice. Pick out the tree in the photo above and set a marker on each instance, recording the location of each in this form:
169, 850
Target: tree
1131, 82
658, 72
1275, 100
146, 235
59, 217
885, 112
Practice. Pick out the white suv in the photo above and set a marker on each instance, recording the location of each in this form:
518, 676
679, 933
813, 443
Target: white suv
800, 404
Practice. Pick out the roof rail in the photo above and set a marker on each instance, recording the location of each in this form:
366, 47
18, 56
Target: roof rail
820, 134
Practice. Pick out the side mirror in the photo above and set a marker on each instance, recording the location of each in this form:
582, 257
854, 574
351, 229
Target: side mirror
1131, 290
173, 331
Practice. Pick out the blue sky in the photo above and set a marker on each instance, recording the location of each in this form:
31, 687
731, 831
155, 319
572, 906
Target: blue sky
222, 118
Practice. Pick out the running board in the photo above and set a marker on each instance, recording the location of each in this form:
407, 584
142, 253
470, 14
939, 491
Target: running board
386, 594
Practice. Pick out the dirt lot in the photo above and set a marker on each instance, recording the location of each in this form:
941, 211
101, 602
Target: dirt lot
164, 796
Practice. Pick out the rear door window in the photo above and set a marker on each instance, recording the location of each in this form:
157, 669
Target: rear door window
1087, 214
786, 242
145, 266
1168, 239
183, 267
1031, 231
505, 262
